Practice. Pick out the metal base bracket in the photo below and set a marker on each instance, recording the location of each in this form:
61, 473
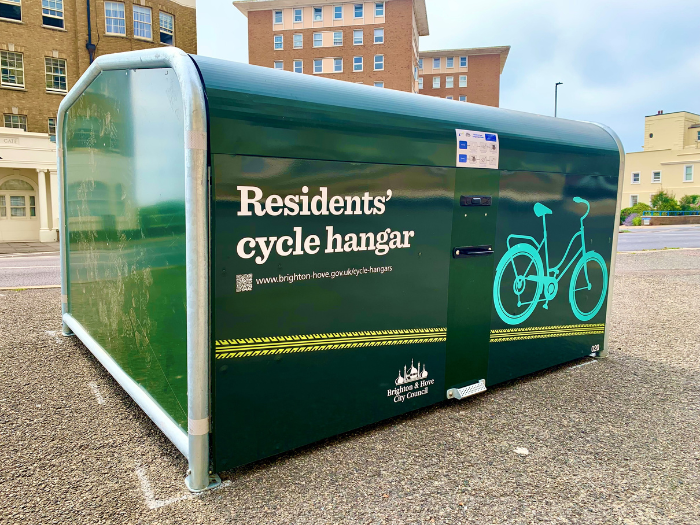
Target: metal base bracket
466, 391
214, 481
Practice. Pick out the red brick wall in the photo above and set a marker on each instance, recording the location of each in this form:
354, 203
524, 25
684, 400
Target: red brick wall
483, 82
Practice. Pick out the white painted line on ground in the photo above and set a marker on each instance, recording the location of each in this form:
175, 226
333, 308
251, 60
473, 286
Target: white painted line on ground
583, 364
96, 391
153, 503
30, 287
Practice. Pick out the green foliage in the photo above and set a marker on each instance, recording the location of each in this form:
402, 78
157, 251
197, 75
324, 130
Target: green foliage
637, 221
690, 203
664, 201
637, 208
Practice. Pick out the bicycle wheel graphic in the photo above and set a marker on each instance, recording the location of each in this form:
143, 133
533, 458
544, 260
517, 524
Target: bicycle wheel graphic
514, 296
589, 282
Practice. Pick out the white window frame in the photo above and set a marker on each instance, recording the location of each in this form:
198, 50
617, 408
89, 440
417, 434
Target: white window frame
439, 63
635, 197
279, 63
335, 12
281, 42
301, 15
274, 17
320, 39
362, 10
462, 78
52, 63
449, 82
652, 177
354, 37
639, 178
335, 63
381, 61
685, 173
354, 64
436, 82
21, 11
465, 60
142, 25
18, 71
447, 62
19, 119
377, 8
316, 62
382, 35
463, 98
115, 18
420, 64
49, 124
52, 9
27, 195
313, 15
301, 41
165, 29
420, 82
294, 66
336, 33
379, 84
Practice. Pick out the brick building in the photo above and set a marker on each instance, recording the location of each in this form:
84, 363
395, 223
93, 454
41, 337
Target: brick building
375, 43
468, 75
45, 45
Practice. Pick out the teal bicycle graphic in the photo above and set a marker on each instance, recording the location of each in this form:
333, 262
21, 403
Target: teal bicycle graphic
521, 281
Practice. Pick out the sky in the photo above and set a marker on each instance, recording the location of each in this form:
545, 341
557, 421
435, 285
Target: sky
619, 60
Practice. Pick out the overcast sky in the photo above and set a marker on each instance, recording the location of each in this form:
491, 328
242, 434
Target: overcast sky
619, 60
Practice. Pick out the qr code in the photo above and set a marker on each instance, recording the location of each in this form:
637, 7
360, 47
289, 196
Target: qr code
244, 282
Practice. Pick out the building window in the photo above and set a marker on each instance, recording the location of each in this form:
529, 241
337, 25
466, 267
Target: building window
698, 135
298, 41
52, 127
359, 11
11, 9
462, 98
279, 64
420, 83
318, 65
55, 74
462, 61
420, 63
318, 39
379, 10
655, 176
20, 195
379, 36
436, 82
379, 62
449, 97
16, 121
298, 66
634, 199
142, 22
52, 13
11, 69
337, 38
688, 177
436, 63
297, 15
379, 84
357, 37
449, 82
167, 28
357, 64
278, 17
278, 42
415, 73
450, 62
462, 80
337, 65
338, 12
318, 14
115, 23
635, 178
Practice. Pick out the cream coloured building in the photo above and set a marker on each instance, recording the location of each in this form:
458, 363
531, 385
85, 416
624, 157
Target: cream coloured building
670, 159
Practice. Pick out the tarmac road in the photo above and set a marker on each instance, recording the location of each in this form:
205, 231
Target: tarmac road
30, 270
658, 237
610, 441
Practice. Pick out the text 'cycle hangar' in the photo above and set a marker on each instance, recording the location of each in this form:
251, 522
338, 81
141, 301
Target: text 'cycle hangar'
228, 231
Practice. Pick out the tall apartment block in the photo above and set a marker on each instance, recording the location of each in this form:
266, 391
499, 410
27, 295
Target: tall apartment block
45, 45
375, 43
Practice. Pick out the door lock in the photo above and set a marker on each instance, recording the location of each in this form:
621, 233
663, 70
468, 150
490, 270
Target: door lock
475, 200
471, 251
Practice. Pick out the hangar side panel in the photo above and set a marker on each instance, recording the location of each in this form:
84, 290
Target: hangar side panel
314, 334
125, 189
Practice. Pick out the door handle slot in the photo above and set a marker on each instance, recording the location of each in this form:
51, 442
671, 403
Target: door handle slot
472, 251
475, 200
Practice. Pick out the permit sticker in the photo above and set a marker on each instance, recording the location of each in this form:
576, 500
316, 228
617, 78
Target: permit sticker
477, 149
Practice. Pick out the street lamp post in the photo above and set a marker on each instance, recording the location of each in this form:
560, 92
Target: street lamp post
556, 88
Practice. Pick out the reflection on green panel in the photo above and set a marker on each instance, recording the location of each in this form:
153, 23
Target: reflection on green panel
126, 233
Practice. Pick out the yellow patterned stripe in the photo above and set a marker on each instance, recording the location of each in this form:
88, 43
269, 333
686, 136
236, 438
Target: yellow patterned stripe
311, 343
543, 332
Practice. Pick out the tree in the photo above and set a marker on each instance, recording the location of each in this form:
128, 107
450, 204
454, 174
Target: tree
664, 201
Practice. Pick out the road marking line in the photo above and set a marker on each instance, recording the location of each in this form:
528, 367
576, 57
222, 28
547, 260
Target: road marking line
96, 391
31, 287
153, 503
583, 364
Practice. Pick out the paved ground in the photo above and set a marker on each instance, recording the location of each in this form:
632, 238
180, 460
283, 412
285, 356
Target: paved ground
10, 248
27, 270
612, 441
658, 237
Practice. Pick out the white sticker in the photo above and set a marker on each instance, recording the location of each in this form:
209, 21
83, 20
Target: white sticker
477, 149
